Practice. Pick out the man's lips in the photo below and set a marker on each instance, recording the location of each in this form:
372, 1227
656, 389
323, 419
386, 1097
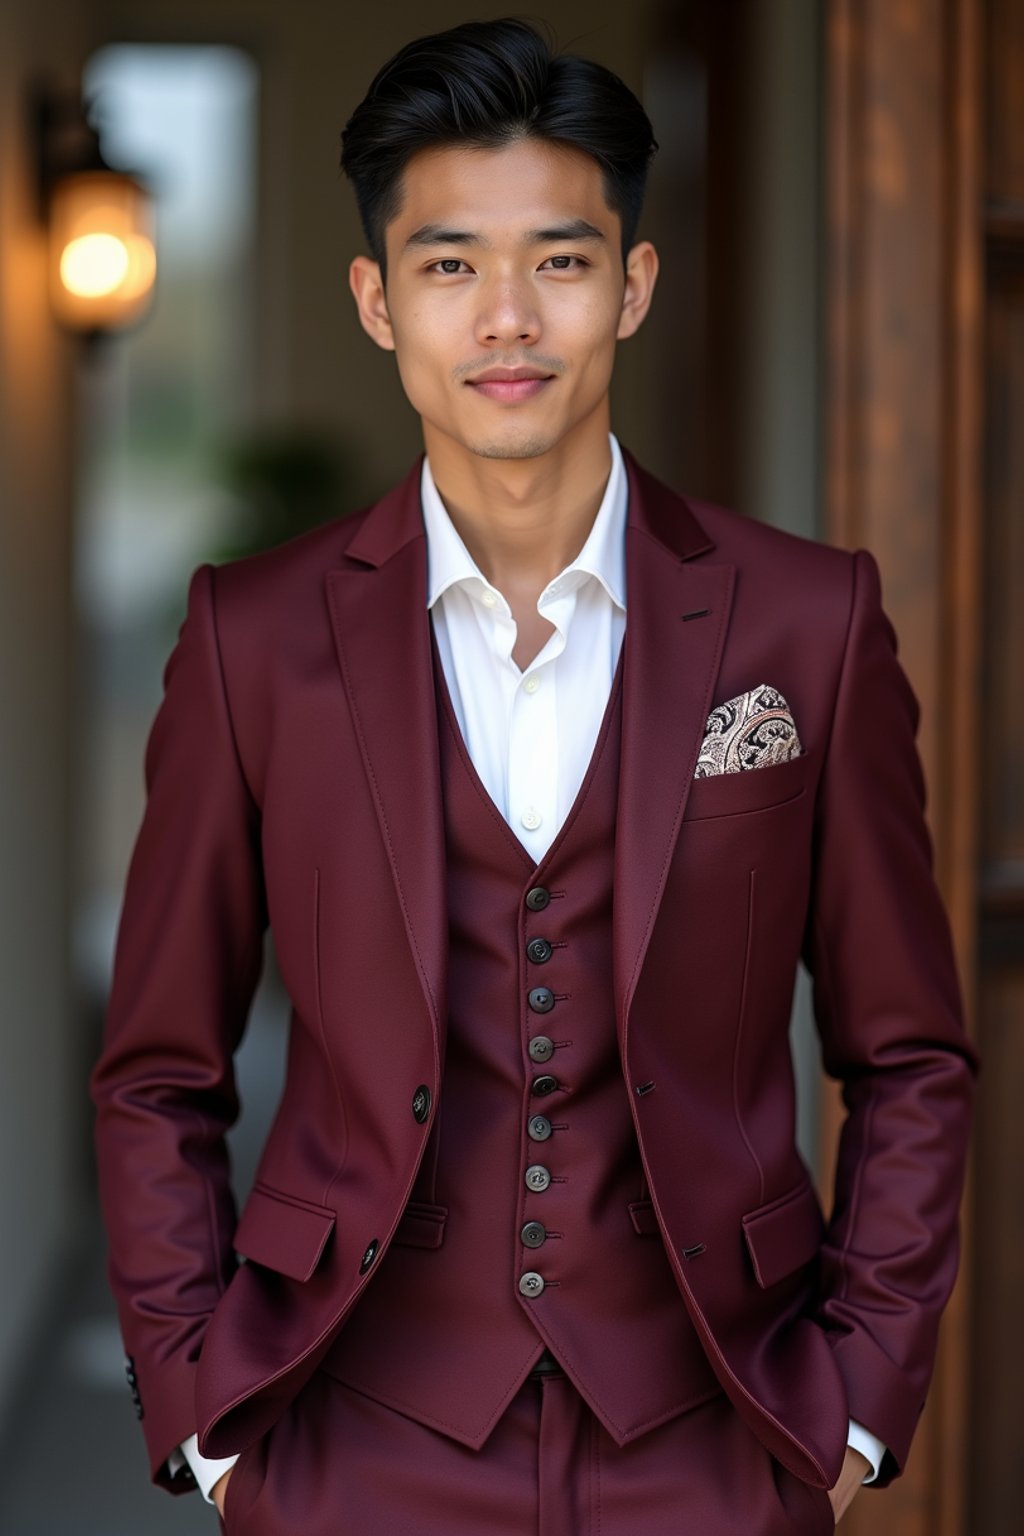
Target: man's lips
509, 390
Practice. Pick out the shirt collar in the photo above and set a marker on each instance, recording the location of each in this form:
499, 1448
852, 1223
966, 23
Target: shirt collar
603, 554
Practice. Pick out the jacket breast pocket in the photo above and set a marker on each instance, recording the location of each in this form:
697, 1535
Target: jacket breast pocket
282, 1231
784, 1234
743, 792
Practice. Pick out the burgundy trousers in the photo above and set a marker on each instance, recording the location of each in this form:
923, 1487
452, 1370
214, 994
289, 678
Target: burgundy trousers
339, 1463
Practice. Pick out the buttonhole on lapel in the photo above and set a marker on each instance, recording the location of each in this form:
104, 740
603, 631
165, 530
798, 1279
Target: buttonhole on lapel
698, 613
692, 1253
643, 1088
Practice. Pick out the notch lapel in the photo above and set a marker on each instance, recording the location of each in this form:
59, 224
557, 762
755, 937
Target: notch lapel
377, 601
670, 668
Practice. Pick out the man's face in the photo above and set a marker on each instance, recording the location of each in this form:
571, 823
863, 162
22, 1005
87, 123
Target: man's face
511, 259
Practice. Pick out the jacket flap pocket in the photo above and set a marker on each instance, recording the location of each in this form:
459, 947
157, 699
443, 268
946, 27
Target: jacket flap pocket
784, 1234
642, 1215
282, 1231
421, 1225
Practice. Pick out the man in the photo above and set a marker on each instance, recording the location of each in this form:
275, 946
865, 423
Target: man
545, 778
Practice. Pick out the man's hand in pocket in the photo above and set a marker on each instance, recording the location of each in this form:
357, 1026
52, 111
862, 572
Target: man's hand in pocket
855, 1469
219, 1487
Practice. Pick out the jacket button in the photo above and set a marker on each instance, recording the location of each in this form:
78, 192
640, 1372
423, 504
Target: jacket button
541, 999
369, 1255
421, 1103
538, 950
538, 898
537, 1176
531, 1284
545, 1084
539, 1128
533, 1233
541, 1048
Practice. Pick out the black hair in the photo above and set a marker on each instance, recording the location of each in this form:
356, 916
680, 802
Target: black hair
485, 84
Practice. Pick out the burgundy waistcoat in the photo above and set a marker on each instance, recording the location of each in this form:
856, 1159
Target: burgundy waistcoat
449, 1328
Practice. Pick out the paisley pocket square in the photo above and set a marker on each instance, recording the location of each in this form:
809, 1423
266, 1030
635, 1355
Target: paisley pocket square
750, 731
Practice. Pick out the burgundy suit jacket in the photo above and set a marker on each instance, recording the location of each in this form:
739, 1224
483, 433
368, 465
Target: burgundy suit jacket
292, 778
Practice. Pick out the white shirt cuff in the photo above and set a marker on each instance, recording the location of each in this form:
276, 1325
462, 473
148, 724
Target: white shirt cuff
207, 1469
869, 1445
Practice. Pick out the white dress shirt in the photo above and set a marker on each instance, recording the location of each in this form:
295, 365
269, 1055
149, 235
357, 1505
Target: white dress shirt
530, 734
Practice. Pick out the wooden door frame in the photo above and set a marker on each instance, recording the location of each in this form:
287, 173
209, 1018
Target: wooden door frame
903, 296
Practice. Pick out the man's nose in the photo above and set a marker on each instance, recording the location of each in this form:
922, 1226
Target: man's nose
507, 314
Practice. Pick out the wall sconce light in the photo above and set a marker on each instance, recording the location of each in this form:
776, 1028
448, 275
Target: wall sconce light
101, 257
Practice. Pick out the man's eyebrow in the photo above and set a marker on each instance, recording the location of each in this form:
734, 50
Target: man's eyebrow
440, 234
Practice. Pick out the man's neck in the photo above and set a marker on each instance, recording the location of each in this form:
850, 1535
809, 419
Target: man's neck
522, 520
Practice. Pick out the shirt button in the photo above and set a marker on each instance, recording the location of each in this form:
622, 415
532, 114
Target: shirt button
537, 1177
531, 1284
532, 684
531, 817
488, 599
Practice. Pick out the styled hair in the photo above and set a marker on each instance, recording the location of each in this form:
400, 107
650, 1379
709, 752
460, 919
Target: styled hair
485, 84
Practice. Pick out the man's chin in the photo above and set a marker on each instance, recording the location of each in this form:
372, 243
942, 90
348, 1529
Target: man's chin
526, 443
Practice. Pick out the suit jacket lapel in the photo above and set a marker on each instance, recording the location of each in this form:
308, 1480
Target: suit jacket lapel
378, 611
677, 613
377, 600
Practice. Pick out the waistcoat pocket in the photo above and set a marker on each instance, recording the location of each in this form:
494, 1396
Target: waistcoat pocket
421, 1225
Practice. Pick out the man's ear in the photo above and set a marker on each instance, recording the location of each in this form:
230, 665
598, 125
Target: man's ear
641, 276
365, 281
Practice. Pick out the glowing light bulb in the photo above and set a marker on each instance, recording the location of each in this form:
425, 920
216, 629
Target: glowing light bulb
94, 265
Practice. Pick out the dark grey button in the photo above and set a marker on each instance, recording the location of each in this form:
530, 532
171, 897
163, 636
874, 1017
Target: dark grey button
541, 999
545, 1084
421, 1103
541, 1048
538, 950
539, 1128
538, 898
537, 1176
533, 1233
531, 1284
369, 1255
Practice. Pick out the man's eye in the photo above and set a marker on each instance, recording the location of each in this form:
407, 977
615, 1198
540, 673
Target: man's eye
448, 263
564, 260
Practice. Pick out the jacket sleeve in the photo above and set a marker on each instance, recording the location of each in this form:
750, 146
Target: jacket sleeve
889, 1012
188, 957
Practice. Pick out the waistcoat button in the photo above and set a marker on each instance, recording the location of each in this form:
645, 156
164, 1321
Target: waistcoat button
541, 1048
537, 898
539, 1128
421, 1103
531, 1284
538, 950
533, 1233
542, 999
369, 1255
537, 1176
545, 1084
